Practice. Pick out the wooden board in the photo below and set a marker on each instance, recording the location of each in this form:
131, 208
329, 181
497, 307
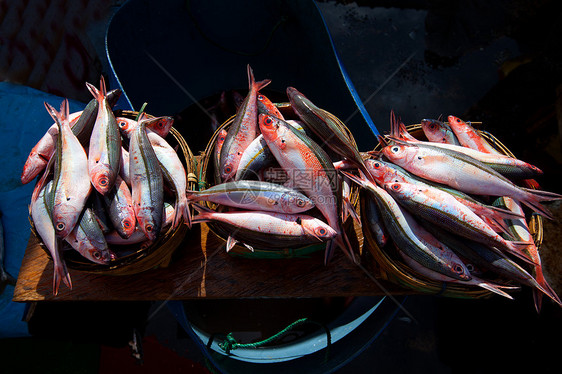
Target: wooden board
202, 269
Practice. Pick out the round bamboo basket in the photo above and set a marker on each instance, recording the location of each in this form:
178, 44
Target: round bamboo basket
390, 267
207, 179
137, 258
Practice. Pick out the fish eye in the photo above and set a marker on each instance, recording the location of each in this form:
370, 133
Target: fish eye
268, 121
123, 124
458, 269
260, 97
96, 255
396, 187
126, 224
322, 231
227, 169
103, 181
148, 228
60, 226
300, 202
395, 149
377, 165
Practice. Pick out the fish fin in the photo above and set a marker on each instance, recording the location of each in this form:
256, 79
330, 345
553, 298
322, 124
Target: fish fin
230, 243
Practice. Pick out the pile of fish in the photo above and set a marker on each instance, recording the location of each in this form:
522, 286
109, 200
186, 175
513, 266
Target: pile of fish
275, 183
454, 209
107, 182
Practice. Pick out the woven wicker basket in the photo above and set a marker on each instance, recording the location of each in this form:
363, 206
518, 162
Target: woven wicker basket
207, 179
140, 258
390, 267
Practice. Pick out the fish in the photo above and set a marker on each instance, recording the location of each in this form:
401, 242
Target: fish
81, 122
254, 195
124, 167
326, 127
436, 276
520, 229
506, 165
258, 156
374, 221
221, 137
138, 236
386, 172
463, 173
147, 187
468, 136
88, 239
40, 211
174, 174
71, 187
439, 132
243, 129
5, 277
159, 125
266, 106
442, 209
310, 170
119, 205
486, 257
404, 231
270, 226
105, 143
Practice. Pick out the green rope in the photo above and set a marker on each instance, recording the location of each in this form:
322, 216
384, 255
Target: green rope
229, 343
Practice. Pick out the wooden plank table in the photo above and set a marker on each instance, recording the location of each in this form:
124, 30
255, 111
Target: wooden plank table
201, 269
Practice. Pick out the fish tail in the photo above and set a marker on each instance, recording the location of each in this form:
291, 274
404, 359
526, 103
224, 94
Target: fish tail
518, 249
203, 214
495, 288
534, 198
99, 95
544, 289
252, 80
349, 210
187, 214
341, 240
60, 274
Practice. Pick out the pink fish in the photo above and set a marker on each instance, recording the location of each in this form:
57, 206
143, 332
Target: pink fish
105, 144
309, 169
242, 131
463, 173
71, 183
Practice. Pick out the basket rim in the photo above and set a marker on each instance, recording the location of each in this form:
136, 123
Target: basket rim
143, 258
400, 273
207, 158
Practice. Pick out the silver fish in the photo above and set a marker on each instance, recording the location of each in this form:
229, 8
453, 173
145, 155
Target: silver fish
147, 187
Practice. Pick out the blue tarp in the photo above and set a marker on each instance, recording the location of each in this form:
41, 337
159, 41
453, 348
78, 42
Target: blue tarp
23, 121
